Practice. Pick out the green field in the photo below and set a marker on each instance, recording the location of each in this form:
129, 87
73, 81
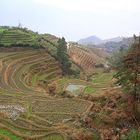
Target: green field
89, 89
9, 134
98, 81
102, 78
54, 137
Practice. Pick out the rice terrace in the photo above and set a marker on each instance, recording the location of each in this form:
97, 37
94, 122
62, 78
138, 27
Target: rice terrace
51, 89
28, 111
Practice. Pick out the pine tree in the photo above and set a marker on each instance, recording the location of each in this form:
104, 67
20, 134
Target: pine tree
62, 56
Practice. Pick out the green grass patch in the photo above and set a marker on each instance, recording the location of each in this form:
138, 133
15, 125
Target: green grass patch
9, 134
103, 78
132, 135
89, 89
54, 137
63, 80
34, 79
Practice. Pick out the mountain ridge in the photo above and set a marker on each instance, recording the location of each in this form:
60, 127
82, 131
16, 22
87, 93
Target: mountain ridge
90, 40
94, 40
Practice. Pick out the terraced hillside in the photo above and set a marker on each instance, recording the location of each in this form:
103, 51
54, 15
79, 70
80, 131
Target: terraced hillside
23, 37
50, 43
27, 111
84, 57
17, 36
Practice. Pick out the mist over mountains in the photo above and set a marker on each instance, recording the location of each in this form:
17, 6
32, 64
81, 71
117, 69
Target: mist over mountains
94, 40
108, 45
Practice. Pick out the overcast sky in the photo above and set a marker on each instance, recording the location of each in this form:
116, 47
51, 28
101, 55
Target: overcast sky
74, 19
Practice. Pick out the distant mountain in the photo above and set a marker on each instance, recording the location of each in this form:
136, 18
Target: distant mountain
108, 45
94, 40
115, 39
112, 46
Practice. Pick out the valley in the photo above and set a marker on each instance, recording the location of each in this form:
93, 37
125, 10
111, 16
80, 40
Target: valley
43, 97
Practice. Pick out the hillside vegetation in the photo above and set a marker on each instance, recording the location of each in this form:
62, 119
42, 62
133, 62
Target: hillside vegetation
18, 36
54, 90
23, 37
82, 57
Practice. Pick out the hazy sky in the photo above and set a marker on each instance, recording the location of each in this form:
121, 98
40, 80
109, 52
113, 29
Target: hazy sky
74, 19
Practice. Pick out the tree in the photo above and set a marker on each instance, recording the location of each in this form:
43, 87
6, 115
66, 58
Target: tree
62, 56
115, 60
129, 74
19, 25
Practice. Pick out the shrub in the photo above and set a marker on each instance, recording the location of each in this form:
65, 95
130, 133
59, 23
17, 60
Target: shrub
52, 87
132, 135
